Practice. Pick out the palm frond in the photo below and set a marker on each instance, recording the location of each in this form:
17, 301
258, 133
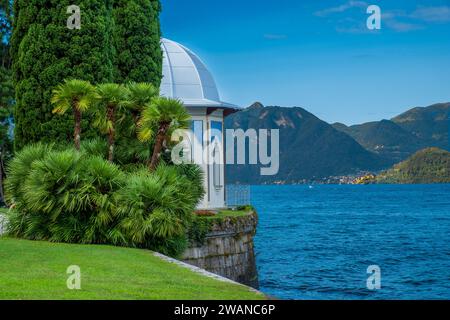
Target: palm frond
73, 93
162, 110
140, 94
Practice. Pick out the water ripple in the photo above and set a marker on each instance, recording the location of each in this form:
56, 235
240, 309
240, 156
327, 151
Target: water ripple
317, 244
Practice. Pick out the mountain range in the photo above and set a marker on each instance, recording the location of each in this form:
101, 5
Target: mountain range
314, 150
398, 138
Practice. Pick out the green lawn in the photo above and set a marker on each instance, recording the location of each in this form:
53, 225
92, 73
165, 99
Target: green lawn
37, 270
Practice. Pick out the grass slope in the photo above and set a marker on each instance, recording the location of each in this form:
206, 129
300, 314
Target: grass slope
37, 270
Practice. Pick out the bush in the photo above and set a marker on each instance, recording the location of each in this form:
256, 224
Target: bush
95, 147
198, 230
137, 35
18, 170
119, 40
75, 197
65, 196
44, 52
156, 209
194, 174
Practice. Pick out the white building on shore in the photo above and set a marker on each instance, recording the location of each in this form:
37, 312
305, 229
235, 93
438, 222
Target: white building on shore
185, 77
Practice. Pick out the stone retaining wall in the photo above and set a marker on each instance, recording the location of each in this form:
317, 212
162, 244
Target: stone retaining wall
228, 250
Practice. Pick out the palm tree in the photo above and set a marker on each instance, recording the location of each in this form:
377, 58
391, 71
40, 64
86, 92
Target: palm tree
140, 94
77, 95
163, 115
112, 97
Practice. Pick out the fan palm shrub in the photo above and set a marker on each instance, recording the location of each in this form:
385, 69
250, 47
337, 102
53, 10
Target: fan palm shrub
166, 115
95, 147
67, 196
129, 150
75, 95
196, 176
18, 170
140, 95
156, 208
64, 195
112, 97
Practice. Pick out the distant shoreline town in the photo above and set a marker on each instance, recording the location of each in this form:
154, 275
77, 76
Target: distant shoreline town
431, 165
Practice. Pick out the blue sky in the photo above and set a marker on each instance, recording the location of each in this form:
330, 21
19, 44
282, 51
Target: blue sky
319, 55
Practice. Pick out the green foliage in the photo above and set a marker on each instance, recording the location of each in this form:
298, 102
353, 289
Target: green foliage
5, 33
247, 208
196, 175
202, 224
6, 88
136, 38
129, 150
45, 52
159, 120
198, 230
6, 106
121, 41
112, 98
141, 94
401, 137
430, 125
162, 111
77, 95
73, 94
63, 195
19, 169
156, 208
430, 165
125, 104
96, 147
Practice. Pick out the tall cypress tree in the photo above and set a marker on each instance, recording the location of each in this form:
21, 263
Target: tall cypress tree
119, 41
138, 59
137, 41
6, 88
45, 52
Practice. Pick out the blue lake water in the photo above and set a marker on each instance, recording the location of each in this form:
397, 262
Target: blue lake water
317, 243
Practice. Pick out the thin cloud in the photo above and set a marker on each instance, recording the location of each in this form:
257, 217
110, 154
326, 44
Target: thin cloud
399, 26
432, 14
352, 26
395, 20
342, 8
354, 30
401, 21
271, 36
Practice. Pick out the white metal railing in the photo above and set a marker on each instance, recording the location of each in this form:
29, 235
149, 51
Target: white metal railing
238, 195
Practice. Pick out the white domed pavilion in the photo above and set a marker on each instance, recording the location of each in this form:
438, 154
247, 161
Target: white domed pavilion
185, 77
